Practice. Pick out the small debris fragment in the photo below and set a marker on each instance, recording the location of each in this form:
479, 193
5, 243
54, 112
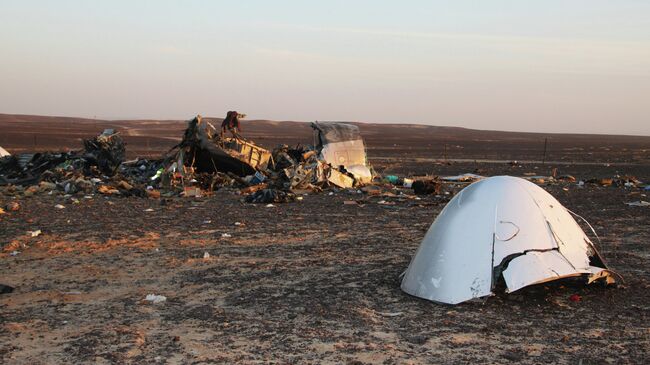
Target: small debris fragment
390, 314
13, 206
155, 299
59, 206
575, 298
35, 233
226, 235
107, 190
206, 255
639, 203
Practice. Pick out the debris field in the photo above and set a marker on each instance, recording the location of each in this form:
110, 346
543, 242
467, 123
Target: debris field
137, 273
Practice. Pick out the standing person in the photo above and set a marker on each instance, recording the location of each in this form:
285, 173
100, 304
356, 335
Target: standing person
231, 123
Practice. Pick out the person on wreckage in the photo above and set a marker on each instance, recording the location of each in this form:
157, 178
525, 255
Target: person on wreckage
231, 123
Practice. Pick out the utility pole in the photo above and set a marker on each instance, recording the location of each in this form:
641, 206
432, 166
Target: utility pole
544, 156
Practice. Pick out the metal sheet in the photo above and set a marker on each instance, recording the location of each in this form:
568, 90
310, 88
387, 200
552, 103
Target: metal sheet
495, 223
538, 267
339, 179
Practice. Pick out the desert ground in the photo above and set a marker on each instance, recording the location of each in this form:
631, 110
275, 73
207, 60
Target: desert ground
315, 281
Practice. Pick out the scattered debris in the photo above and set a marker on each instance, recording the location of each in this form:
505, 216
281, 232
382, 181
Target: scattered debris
59, 206
106, 151
271, 196
35, 233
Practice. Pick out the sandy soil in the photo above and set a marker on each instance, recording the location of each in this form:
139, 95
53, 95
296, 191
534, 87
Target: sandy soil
315, 281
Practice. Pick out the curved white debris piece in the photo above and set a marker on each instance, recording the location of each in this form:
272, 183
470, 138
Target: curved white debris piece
4, 152
500, 226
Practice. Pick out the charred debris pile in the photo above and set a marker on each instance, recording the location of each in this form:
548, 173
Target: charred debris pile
209, 159
206, 160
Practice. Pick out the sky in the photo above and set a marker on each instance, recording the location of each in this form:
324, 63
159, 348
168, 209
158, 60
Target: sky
542, 66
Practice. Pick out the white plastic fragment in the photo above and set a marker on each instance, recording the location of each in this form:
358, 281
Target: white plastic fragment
59, 206
226, 235
155, 299
639, 203
206, 255
390, 314
35, 233
270, 205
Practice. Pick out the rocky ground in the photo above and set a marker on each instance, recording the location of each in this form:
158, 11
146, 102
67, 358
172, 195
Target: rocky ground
314, 281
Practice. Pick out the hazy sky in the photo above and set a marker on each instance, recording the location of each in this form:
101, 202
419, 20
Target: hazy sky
544, 65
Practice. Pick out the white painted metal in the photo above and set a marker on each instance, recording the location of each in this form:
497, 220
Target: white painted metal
492, 222
345, 153
4, 152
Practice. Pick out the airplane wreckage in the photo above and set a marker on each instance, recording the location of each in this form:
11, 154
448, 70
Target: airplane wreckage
500, 228
339, 158
497, 232
205, 160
